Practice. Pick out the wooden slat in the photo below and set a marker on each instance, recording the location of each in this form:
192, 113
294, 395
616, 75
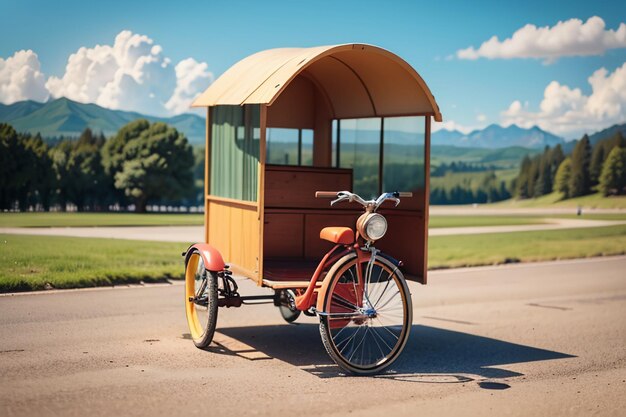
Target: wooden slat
233, 231
426, 199
207, 172
295, 187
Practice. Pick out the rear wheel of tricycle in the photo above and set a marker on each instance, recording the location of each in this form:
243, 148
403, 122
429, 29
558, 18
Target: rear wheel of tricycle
200, 300
288, 306
365, 325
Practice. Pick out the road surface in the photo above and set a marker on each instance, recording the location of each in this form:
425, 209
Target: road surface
192, 234
529, 339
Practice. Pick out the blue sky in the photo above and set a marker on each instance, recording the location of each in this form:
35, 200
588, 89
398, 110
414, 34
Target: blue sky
471, 93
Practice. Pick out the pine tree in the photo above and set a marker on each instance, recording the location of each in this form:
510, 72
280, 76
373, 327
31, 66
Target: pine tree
580, 183
562, 177
597, 159
613, 177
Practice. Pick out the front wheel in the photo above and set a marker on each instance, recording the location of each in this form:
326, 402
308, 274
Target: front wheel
200, 300
365, 325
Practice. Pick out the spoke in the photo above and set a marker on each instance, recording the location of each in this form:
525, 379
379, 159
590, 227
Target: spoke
387, 328
340, 331
378, 284
374, 335
382, 339
342, 302
383, 292
390, 299
353, 282
360, 343
202, 288
348, 340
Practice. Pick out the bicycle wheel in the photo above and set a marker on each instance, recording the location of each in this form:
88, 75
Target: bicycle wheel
200, 300
365, 325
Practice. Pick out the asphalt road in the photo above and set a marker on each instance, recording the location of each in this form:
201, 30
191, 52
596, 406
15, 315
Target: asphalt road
529, 339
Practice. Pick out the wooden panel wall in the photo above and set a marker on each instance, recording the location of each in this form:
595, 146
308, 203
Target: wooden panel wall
233, 229
295, 187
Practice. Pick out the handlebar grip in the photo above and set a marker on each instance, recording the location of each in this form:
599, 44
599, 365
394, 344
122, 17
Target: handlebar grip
326, 194
405, 194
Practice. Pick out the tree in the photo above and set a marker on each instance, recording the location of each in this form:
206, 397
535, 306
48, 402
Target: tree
150, 161
522, 185
613, 177
43, 182
18, 178
562, 178
597, 159
580, 183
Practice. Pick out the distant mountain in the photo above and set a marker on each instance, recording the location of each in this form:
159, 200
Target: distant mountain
64, 117
607, 133
496, 136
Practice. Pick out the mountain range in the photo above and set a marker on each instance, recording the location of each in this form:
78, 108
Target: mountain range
496, 136
64, 117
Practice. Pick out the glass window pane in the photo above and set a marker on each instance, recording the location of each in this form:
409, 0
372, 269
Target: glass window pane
359, 147
235, 139
282, 146
403, 157
333, 163
307, 147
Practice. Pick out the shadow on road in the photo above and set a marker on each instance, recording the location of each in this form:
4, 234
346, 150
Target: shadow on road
432, 355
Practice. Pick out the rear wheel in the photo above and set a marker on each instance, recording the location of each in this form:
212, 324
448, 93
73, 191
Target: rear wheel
200, 300
365, 325
288, 306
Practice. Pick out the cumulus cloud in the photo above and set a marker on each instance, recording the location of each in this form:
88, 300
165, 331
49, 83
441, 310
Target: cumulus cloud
191, 77
131, 74
21, 78
567, 111
572, 37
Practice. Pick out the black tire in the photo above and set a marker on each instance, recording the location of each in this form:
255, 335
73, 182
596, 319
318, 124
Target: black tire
380, 342
200, 285
287, 305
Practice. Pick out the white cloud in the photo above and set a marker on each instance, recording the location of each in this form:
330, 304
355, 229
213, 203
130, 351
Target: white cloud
572, 37
567, 111
131, 74
191, 77
21, 78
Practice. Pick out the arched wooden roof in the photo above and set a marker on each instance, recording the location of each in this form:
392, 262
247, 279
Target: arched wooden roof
357, 80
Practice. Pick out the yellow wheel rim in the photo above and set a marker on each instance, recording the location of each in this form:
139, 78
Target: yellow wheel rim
191, 271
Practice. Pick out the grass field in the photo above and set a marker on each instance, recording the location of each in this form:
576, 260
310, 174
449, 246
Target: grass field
554, 200
498, 248
97, 219
40, 262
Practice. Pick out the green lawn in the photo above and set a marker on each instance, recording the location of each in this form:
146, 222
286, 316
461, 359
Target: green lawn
497, 248
97, 219
31, 262
555, 200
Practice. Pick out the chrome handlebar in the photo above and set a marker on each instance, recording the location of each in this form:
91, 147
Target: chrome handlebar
370, 205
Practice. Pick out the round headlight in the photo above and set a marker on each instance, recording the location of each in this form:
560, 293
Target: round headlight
375, 226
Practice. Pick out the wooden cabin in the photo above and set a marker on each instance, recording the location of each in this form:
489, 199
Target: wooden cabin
284, 123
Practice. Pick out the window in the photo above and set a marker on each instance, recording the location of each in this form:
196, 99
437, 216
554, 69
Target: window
289, 146
403, 153
235, 138
397, 142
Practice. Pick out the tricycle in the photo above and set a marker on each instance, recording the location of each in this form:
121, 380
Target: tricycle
281, 126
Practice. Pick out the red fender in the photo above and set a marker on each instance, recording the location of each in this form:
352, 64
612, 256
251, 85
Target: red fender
212, 258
